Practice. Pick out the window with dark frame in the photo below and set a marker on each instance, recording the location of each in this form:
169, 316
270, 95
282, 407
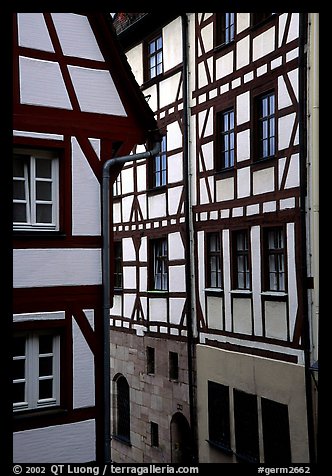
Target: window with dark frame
276, 434
246, 426
150, 360
274, 259
36, 370
154, 434
173, 365
225, 28
214, 260
155, 57
159, 174
35, 190
241, 261
159, 264
226, 139
123, 409
265, 136
118, 269
219, 415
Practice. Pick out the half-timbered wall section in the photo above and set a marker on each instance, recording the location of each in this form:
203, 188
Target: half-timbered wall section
149, 309
244, 173
74, 105
245, 114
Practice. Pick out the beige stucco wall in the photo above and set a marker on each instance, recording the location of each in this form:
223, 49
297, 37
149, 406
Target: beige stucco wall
282, 382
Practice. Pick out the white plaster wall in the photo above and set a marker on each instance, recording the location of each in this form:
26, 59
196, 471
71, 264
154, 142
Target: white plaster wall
86, 214
242, 52
177, 279
243, 145
242, 21
207, 37
116, 212
215, 312
293, 176
224, 65
127, 180
143, 251
285, 129
225, 189
33, 32
174, 136
135, 59
256, 279
284, 99
175, 310
243, 108
157, 206
175, 168
243, 181
227, 279
56, 267
96, 91
116, 309
83, 371
141, 178
263, 181
172, 44
264, 43
76, 36
72, 443
175, 246
158, 309
201, 266
127, 203
207, 150
128, 249
291, 275
129, 301
242, 315
168, 90
41, 84
276, 320
129, 277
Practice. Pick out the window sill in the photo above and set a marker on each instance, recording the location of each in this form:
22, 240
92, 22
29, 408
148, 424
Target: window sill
214, 291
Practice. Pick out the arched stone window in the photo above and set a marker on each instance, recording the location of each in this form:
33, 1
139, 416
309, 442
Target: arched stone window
121, 408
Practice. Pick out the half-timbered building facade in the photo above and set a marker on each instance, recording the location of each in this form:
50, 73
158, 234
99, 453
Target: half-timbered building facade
76, 104
211, 244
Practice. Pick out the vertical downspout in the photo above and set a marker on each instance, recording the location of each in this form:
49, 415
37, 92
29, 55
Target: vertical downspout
303, 201
189, 241
106, 284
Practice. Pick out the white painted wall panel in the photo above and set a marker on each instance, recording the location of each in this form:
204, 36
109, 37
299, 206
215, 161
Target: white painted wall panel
127, 203
227, 279
284, 99
42, 84
83, 370
157, 206
215, 312
127, 180
276, 320
177, 279
242, 21
285, 129
76, 36
243, 108
225, 189
256, 279
207, 37
174, 136
129, 277
172, 44
33, 32
263, 181
293, 176
86, 195
243, 145
175, 310
224, 65
175, 168
243, 182
128, 250
39, 316
56, 267
141, 178
96, 91
135, 59
242, 316
291, 274
168, 90
242, 52
72, 443
175, 246
264, 43
158, 309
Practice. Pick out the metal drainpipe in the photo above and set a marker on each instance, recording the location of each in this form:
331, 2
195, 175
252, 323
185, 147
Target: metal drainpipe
106, 284
189, 241
303, 198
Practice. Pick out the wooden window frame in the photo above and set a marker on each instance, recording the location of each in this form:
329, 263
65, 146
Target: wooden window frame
148, 55
215, 255
278, 256
225, 28
158, 259
31, 377
118, 265
158, 176
31, 180
235, 255
222, 134
259, 121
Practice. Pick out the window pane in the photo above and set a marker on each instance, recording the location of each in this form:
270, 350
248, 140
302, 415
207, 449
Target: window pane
19, 346
18, 369
18, 167
19, 190
159, 43
44, 213
45, 389
19, 392
43, 190
45, 344
43, 168
19, 212
152, 47
45, 366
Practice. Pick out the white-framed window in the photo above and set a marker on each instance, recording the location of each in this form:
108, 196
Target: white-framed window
35, 190
36, 370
